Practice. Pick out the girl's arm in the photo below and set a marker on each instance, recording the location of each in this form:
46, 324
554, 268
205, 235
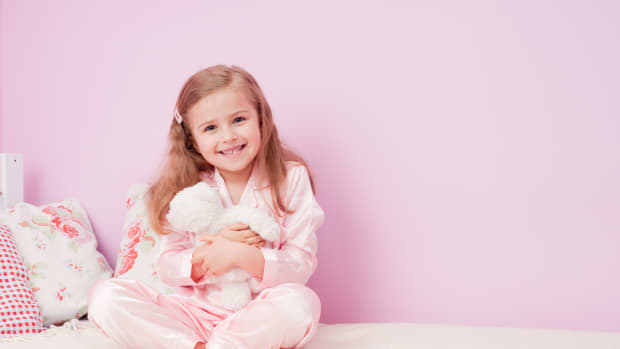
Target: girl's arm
174, 265
295, 259
182, 264
217, 256
251, 259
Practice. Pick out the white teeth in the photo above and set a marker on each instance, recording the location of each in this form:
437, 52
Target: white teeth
232, 152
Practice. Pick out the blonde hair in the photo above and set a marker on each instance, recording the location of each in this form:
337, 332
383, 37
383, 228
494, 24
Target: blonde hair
184, 163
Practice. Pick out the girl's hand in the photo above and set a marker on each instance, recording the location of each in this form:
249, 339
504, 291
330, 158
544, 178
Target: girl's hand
239, 233
214, 258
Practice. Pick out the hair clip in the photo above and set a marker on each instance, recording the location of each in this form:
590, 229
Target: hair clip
177, 116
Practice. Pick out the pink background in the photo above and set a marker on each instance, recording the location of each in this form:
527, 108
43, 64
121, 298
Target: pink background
466, 153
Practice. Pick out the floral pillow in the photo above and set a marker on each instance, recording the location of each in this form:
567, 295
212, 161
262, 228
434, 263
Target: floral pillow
141, 245
19, 311
59, 248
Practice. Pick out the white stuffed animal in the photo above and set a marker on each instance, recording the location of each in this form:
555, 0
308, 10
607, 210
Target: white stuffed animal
199, 209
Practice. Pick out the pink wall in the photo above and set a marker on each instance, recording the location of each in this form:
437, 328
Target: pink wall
466, 153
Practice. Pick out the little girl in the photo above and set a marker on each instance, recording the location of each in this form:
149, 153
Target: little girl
223, 134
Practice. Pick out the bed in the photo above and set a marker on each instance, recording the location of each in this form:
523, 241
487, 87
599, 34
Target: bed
77, 334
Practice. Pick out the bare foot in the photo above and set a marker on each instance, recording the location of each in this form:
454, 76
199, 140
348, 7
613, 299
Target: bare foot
199, 346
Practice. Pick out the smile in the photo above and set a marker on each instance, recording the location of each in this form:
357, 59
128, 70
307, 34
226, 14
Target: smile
233, 151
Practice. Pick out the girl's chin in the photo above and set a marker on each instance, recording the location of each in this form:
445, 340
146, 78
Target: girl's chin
234, 169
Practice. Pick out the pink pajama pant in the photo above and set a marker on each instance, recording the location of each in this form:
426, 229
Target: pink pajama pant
136, 316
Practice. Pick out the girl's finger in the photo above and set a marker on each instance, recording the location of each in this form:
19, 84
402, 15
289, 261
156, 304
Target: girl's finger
254, 233
253, 240
238, 226
231, 235
246, 233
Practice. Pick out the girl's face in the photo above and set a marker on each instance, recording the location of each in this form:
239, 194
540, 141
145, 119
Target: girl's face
225, 128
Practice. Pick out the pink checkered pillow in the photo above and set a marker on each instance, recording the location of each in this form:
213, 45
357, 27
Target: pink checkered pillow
19, 311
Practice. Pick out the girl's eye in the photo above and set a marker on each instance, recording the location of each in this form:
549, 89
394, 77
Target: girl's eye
239, 119
209, 128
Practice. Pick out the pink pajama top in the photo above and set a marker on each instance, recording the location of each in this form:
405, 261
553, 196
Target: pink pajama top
291, 259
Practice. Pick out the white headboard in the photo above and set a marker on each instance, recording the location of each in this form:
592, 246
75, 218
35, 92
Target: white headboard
11, 179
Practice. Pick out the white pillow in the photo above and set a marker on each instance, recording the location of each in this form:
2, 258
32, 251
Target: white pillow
141, 245
59, 248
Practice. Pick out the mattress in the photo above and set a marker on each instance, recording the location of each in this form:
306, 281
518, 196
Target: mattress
82, 334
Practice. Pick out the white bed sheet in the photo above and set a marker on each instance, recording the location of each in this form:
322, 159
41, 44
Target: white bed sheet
81, 334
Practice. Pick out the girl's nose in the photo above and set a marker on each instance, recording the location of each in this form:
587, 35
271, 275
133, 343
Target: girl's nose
228, 135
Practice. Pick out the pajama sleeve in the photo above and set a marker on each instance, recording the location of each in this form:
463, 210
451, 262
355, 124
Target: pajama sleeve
295, 259
174, 265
